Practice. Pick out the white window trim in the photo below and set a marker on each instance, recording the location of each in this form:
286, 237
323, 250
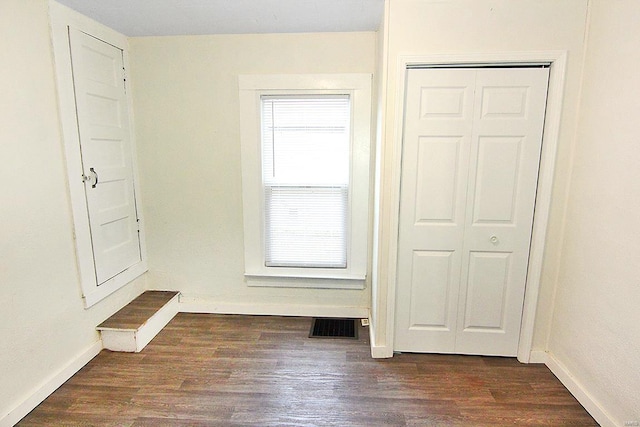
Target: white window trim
252, 87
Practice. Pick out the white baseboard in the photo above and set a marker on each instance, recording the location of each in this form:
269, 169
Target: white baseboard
538, 356
378, 351
580, 393
50, 385
381, 352
195, 305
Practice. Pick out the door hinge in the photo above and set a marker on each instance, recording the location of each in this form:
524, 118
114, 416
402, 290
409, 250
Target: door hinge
124, 79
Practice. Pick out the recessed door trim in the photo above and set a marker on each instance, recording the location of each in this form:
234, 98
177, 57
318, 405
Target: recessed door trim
557, 64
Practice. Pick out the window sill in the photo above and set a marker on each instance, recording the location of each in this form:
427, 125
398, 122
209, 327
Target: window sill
298, 281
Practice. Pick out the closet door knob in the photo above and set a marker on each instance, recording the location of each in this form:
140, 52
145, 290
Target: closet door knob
494, 240
92, 178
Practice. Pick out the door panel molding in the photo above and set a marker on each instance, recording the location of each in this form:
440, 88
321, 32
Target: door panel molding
435, 268
557, 60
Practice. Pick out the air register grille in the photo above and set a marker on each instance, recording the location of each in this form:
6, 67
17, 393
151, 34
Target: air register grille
333, 328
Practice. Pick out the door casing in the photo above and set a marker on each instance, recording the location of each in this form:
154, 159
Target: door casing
557, 61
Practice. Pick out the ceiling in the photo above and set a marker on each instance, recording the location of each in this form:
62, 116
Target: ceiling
136, 18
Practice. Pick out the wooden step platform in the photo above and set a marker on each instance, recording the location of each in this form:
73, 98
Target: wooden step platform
137, 323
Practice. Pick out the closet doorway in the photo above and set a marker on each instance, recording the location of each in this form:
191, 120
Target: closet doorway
472, 139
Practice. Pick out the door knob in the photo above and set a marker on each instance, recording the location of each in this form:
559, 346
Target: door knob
494, 240
92, 178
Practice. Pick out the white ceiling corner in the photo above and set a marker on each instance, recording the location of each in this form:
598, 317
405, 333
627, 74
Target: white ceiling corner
136, 18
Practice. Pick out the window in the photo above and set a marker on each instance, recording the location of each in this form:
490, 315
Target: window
305, 168
305, 173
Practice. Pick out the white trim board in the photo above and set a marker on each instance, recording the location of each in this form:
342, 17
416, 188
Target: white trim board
558, 60
580, 393
377, 351
39, 394
538, 356
197, 305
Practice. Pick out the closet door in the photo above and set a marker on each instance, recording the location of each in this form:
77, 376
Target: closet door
103, 125
471, 149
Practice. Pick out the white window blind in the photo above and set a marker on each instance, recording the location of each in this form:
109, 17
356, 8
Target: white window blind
305, 164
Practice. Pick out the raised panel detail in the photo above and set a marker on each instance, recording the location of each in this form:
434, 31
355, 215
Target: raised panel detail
113, 195
116, 233
103, 111
111, 152
441, 102
504, 102
430, 284
101, 67
438, 168
496, 179
486, 291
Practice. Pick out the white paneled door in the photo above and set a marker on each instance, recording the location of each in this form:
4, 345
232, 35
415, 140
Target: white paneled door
101, 104
471, 151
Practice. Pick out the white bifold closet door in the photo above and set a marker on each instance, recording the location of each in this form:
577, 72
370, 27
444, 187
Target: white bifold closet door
471, 152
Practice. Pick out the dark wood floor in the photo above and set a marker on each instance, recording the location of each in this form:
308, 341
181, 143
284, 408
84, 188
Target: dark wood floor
208, 370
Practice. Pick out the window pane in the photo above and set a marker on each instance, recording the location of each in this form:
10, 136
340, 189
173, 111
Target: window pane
306, 140
305, 159
306, 227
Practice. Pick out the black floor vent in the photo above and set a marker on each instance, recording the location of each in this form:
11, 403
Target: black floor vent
333, 328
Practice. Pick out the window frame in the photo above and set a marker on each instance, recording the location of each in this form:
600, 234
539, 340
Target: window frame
251, 90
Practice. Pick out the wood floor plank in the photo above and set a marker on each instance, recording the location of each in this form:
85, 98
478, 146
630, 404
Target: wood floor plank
213, 370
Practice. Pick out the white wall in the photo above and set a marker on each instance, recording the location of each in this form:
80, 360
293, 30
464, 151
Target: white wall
596, 324
43, 325
419, 27
188, 137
